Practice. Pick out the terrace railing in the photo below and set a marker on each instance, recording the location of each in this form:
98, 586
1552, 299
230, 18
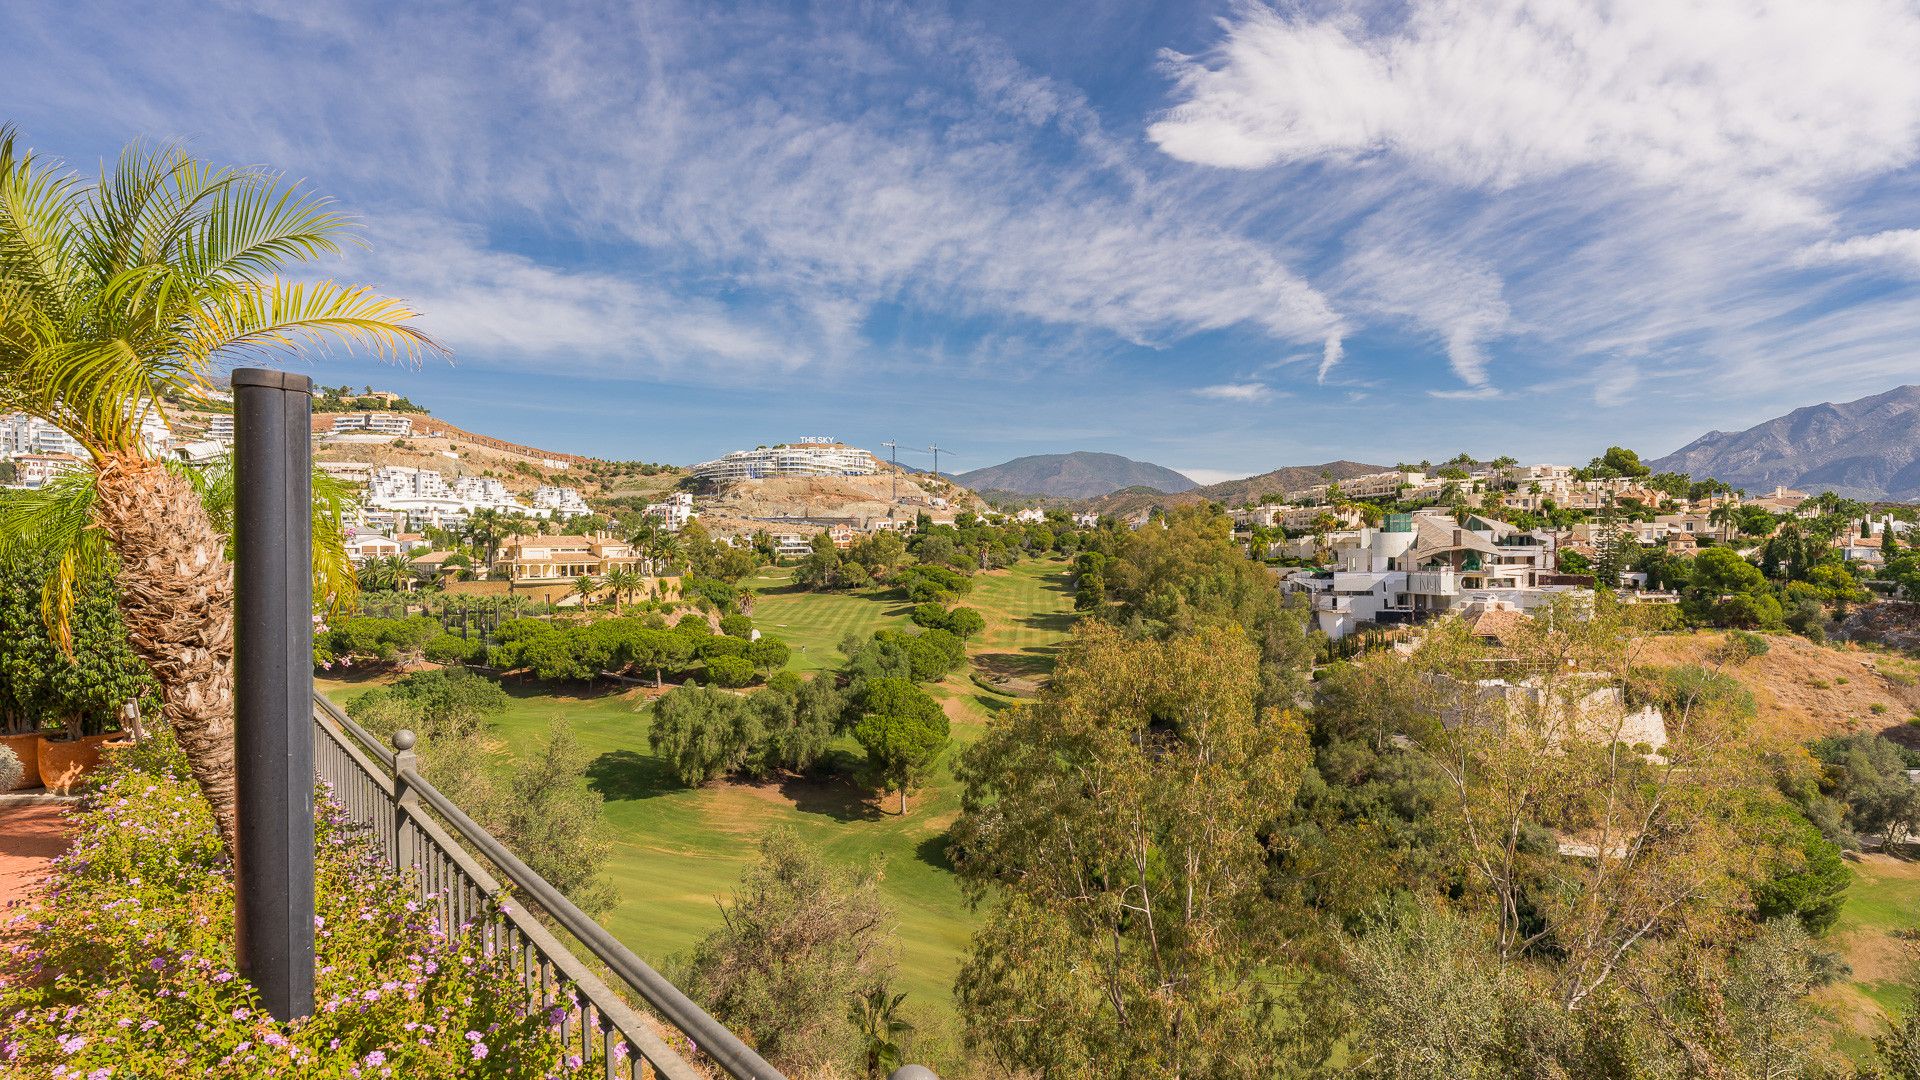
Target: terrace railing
461, 868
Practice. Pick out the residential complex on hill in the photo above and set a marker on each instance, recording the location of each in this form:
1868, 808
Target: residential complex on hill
818, 456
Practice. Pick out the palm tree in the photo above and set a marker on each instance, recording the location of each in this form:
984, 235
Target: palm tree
584, 587
1722, 518
118, 291
394, 573
623, 583
875, 1015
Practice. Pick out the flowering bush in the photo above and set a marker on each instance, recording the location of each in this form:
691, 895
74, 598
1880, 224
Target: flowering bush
127, 967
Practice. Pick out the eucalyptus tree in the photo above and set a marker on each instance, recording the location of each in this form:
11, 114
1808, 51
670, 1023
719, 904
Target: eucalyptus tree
122, 291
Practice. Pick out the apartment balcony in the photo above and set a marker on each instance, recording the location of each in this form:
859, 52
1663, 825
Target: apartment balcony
1433, 583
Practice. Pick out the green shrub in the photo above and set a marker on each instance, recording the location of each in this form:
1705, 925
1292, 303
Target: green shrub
454, 649
157, 993
1877, 708
729, 670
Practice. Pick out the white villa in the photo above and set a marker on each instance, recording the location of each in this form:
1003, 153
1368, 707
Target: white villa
1416, 566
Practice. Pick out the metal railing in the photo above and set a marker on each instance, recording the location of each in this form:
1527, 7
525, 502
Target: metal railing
382, 791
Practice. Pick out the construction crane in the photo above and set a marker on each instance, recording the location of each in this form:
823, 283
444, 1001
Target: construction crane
893, 451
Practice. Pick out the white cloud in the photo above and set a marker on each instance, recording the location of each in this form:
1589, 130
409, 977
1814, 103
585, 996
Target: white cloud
1764, 103
1450, 296
1894, 245
1244, 392
511, 308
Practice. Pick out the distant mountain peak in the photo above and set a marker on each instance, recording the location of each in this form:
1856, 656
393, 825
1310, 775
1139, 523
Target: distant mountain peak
1083, 474
1863, 449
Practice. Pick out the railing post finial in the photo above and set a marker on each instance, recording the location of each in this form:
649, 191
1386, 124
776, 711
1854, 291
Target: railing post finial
406, 800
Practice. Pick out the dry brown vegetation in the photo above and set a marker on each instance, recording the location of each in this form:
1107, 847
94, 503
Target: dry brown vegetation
1805, 691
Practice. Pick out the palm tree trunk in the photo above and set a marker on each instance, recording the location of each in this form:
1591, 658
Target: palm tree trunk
176, 596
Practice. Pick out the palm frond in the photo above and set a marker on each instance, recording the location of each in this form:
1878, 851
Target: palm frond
247, 318
117, 291
256, 226
57, 521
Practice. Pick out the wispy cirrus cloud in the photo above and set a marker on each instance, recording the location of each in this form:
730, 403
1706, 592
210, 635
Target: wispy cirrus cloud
1897, 246
1240, 391
1544, 207
1763, 104
1599, 186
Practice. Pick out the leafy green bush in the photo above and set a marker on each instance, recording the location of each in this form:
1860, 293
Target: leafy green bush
729, 671
129, 969
454, 649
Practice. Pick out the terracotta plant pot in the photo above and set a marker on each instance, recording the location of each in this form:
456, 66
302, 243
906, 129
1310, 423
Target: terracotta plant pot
27, 749
63, 763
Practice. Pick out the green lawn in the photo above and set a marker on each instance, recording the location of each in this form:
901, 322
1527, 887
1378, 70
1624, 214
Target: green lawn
678, 851
813, 624
1882, 910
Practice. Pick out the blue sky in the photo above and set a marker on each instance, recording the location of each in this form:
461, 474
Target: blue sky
1223, 237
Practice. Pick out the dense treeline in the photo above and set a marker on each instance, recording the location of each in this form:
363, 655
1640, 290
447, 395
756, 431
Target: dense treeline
875, 698
1454, 883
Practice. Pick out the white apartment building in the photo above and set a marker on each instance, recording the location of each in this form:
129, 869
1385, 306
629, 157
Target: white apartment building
487, 493
1382, 485
674, 513
560, 501
424, 496
817, 456
390, 425
23, 434
220, 429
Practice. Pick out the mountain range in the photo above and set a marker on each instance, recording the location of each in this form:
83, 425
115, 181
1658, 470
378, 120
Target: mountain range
1079, 475
1867, 449
1232, 492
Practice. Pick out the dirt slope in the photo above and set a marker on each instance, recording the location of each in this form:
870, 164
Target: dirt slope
1806, 691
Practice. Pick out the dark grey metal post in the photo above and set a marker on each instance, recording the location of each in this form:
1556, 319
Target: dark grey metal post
273, 684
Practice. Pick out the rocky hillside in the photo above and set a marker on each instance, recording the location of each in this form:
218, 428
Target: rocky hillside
743, 507
1867, 449
1234, 492
1079, 475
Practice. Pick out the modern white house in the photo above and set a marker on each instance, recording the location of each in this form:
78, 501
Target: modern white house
814, 456
1416, 566
366, 547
